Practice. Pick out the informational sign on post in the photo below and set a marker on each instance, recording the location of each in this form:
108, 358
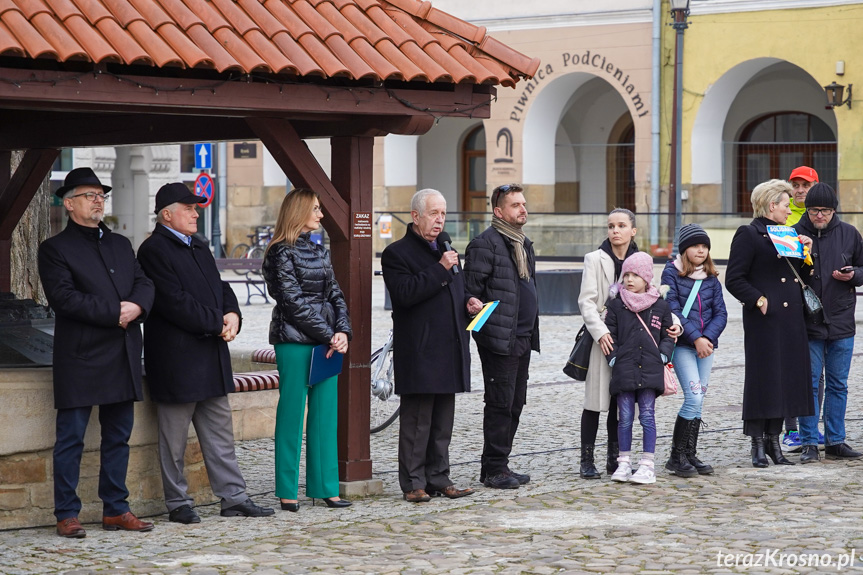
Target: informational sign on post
203, 156
385, 225
362, 225
205, 188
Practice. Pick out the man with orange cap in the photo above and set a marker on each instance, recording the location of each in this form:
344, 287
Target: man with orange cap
801, 179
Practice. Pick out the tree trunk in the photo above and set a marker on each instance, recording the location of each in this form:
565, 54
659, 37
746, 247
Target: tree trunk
33, 228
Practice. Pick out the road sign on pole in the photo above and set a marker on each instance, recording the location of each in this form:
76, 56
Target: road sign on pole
203, 156
205, 188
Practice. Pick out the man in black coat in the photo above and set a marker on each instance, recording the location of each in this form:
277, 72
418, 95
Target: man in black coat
431, 348
186, 354
837, 255
99, 296
500, 265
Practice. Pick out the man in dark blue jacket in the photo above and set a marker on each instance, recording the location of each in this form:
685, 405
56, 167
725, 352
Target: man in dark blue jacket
186, 354
837, 254
500, 266
99, 296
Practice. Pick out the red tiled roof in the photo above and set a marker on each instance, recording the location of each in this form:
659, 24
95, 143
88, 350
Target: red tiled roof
405, 40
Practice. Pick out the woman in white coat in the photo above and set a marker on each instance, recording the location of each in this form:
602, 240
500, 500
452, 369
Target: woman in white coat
601, 270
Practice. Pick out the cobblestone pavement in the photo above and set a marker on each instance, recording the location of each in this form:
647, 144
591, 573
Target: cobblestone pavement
558, 523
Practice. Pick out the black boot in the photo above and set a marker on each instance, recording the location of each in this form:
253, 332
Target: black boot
692, 447
773, 449
611, 457
758, 457
587, 470
677, 463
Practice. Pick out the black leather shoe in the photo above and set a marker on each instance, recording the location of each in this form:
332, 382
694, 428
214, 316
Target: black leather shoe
841, 451
587, 467
338, 503
247, 509
758, 457
522, 478
292, 507
773, 450
183, 514
501, 481
809, 454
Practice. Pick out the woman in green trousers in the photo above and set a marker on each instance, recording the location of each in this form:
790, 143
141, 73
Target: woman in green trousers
310, 310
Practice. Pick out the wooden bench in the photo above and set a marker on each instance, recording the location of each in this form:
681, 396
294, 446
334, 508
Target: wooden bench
250, 271
258, 380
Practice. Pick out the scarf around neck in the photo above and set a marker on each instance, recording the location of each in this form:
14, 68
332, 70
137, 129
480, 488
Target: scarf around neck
638, 302
517, 236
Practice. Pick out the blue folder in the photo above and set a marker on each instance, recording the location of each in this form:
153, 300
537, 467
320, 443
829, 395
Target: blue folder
322, 368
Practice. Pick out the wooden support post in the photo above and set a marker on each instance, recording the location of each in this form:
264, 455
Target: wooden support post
16, 191
352, 163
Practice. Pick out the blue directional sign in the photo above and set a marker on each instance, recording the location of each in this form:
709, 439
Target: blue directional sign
205, 188
203, 156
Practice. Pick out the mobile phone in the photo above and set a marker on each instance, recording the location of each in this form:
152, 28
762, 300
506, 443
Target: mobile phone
846, 269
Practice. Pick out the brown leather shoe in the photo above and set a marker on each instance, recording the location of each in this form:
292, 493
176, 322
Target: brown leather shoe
452, 492
71, 528
126, 522
417, 496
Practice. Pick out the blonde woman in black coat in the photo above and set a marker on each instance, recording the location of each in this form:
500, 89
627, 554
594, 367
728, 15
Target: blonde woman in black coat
310, 310
777, 382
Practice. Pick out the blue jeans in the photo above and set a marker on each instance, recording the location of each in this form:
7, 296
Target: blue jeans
626, 413
834, 357
693, 374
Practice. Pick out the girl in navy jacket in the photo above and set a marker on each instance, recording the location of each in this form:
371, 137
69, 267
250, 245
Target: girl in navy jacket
637, 321
693, 275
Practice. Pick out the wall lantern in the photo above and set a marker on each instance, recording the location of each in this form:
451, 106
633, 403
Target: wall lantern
834, 95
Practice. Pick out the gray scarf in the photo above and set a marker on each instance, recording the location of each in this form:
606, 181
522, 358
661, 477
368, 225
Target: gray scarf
518, 237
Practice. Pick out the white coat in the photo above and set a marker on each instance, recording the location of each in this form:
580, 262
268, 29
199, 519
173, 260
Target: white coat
596, 279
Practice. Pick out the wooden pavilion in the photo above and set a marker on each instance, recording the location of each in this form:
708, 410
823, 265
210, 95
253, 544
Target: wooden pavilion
81, 73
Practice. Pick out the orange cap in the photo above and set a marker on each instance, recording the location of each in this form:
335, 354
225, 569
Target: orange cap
805, 173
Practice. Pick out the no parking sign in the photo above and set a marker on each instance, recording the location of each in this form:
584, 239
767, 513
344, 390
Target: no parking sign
205, 188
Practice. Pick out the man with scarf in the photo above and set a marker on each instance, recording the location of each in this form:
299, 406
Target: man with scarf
500, 265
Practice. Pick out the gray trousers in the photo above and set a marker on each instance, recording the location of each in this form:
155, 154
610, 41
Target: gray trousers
425, 431
215, 430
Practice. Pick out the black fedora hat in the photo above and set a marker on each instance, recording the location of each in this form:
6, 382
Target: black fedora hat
176, 192
80, 177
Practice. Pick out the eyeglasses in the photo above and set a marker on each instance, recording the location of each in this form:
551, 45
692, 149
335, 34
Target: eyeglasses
503, 190
92, 196
819, 211
317, 210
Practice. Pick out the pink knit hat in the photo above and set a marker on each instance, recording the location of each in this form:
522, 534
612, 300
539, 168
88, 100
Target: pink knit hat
639, 263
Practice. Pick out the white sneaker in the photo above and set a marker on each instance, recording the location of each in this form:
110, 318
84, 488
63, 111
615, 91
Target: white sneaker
644, 475
623, 472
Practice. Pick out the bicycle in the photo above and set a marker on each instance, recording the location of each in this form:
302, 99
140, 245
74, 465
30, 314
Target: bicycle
260, 240
385, 406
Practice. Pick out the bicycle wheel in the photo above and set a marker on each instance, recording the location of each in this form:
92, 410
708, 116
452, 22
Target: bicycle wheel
239, 252
384, 402
257, 253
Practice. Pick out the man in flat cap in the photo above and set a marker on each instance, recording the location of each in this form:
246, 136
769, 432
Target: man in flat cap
186, 354
100, 296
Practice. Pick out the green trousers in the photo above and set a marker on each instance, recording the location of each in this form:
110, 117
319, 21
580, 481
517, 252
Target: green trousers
322, 461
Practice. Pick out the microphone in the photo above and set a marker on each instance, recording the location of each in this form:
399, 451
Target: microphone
444, 237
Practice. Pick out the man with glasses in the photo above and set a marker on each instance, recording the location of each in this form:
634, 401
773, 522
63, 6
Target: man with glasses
837, 255
500, 266
100, 296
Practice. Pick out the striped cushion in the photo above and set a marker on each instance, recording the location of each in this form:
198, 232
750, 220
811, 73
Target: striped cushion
256, 380
264, 356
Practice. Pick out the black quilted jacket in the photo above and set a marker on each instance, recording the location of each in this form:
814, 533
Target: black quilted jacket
310, 306
490, 273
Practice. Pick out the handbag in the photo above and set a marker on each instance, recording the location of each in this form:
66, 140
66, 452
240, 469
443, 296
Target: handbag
579, 358
670, 382
811, 303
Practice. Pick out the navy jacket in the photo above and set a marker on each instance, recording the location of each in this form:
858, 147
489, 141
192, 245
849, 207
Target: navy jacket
708, 316
834, 247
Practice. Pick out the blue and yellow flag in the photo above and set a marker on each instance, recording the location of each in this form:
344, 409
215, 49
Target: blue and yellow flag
482, 316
